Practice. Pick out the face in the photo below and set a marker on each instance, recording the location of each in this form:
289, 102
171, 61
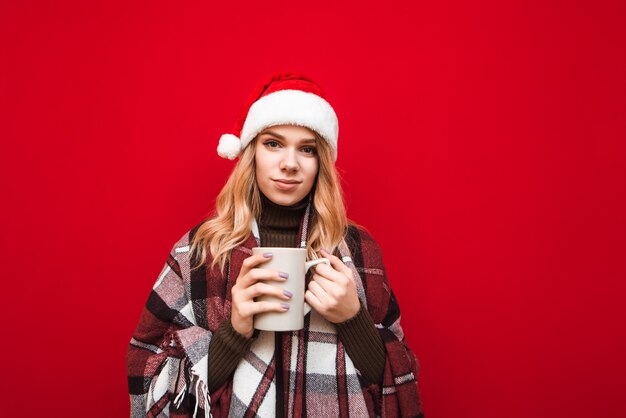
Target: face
286, 163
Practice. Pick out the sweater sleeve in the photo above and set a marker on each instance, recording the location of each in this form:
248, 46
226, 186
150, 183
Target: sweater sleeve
227, 348
364, 345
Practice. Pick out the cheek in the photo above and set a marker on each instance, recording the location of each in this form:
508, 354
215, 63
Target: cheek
261, 175
312, 172
261, 164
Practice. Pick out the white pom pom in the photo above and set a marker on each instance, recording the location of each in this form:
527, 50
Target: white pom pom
229, 146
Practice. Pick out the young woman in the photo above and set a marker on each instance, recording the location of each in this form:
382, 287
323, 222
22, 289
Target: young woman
195, 349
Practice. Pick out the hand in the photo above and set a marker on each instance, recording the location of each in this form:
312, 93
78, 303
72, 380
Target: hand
249, 285
332, 291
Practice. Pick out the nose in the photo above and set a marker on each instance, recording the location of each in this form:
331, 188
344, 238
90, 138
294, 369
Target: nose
289, 161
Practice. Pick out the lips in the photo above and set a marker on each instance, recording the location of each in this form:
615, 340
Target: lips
287, 181
284, 184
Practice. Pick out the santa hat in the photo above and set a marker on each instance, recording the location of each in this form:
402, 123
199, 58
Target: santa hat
282, 99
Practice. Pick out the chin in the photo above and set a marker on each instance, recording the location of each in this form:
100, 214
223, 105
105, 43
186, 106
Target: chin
285, 200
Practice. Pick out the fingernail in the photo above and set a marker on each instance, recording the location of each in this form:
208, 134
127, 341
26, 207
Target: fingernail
287, 293
283, 275
267, 255
285, 306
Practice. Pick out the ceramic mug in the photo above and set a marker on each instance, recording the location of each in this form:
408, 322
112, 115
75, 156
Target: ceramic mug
293, 262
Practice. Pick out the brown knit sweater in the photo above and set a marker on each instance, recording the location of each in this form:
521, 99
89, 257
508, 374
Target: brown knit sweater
278, 227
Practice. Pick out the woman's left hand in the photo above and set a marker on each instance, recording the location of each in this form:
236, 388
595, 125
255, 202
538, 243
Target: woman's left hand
332, 291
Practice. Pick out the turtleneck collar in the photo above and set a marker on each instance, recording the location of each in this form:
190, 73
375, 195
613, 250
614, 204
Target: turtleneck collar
279, 225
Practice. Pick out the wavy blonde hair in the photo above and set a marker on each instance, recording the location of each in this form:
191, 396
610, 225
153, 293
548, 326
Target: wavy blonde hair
240, 200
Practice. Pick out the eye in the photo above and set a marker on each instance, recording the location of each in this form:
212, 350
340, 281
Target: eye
309, 150
270, 143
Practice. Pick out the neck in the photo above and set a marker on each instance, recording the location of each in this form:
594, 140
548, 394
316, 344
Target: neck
279, 225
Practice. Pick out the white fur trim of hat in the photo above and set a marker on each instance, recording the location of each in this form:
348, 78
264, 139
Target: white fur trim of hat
283, 99
292, 107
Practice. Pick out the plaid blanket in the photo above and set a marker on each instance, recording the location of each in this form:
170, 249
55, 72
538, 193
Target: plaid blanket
167, 357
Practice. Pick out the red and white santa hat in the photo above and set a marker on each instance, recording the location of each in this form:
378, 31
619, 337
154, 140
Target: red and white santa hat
284, 98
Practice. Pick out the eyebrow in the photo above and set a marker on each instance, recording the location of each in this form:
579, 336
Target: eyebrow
282, 137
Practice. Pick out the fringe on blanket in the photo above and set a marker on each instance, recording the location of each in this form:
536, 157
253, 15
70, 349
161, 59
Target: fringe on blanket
172, 379
201, 396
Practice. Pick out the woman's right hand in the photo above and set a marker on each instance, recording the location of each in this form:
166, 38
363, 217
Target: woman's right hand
248, 286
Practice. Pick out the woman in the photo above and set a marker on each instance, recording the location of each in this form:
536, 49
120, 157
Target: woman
195, 348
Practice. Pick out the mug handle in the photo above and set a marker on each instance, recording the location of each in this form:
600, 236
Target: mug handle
307, 266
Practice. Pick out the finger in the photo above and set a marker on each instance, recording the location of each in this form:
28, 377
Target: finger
330, 273
337, 263
326, 284
264, 289
319, 292
263, 306
253, 261
258, 274
313, 301
335, 291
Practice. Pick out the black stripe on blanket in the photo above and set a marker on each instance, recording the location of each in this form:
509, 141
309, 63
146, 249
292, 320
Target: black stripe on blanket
138, 385
393, 312
160, 310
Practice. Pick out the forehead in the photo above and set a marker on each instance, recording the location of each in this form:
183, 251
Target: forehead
290, 132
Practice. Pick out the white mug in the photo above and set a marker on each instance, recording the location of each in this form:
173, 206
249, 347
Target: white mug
293, 262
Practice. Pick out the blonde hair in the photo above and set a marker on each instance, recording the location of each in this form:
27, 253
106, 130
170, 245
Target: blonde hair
240, 200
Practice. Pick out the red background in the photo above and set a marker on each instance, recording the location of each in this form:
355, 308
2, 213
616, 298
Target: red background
481, 143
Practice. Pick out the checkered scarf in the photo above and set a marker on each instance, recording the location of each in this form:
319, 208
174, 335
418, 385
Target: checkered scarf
311, 374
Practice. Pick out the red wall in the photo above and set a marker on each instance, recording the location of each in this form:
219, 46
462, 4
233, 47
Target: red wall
481, 143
